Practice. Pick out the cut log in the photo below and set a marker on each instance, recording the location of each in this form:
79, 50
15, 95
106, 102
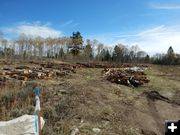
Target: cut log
126, 77
45, 70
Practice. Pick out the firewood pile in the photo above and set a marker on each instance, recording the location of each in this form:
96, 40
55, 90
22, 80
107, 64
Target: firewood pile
41, 71
102, 65
60, 67
132, 77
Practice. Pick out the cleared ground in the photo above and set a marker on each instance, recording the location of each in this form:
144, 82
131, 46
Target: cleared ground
85, 100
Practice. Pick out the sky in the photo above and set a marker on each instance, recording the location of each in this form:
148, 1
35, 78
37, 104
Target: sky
153, 25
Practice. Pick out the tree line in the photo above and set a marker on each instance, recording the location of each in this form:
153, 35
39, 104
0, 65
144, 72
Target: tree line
75, 48
170, 58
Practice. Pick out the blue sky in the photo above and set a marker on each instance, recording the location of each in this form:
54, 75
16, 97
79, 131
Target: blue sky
152, 24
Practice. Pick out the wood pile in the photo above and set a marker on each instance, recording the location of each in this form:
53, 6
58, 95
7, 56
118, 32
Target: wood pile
128, 77
43, 71
60, 67
103, 65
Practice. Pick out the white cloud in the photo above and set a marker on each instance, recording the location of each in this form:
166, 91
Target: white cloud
42, 31
33, 29
70, 23
151, 40
67, 23
166, 6
155, 40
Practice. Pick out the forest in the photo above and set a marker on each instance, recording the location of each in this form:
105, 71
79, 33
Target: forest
75, 48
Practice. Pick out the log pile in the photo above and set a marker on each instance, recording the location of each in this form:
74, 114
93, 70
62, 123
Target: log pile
128, 77
60, 67
43, 71
103, 65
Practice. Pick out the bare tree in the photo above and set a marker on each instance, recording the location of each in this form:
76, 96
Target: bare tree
30, 43
22, 44
49, 43
39, 42
4, 43
88, 52
100, 47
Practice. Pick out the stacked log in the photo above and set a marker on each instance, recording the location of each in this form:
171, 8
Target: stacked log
106, 65
61, 67
43, 71
126, 77
97, 65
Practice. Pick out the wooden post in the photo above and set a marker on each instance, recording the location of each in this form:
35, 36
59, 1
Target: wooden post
39, 122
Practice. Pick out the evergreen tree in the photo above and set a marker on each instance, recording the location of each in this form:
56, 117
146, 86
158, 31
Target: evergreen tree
170, 56
77, 42
88, 51
147, 59
107, 56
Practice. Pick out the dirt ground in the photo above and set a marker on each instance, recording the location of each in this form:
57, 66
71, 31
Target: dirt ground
85, 100
117, 109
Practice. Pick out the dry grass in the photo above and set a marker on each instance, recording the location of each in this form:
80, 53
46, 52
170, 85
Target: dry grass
86, 101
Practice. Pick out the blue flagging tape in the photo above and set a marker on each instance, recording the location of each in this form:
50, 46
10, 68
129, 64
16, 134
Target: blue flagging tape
36, 124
